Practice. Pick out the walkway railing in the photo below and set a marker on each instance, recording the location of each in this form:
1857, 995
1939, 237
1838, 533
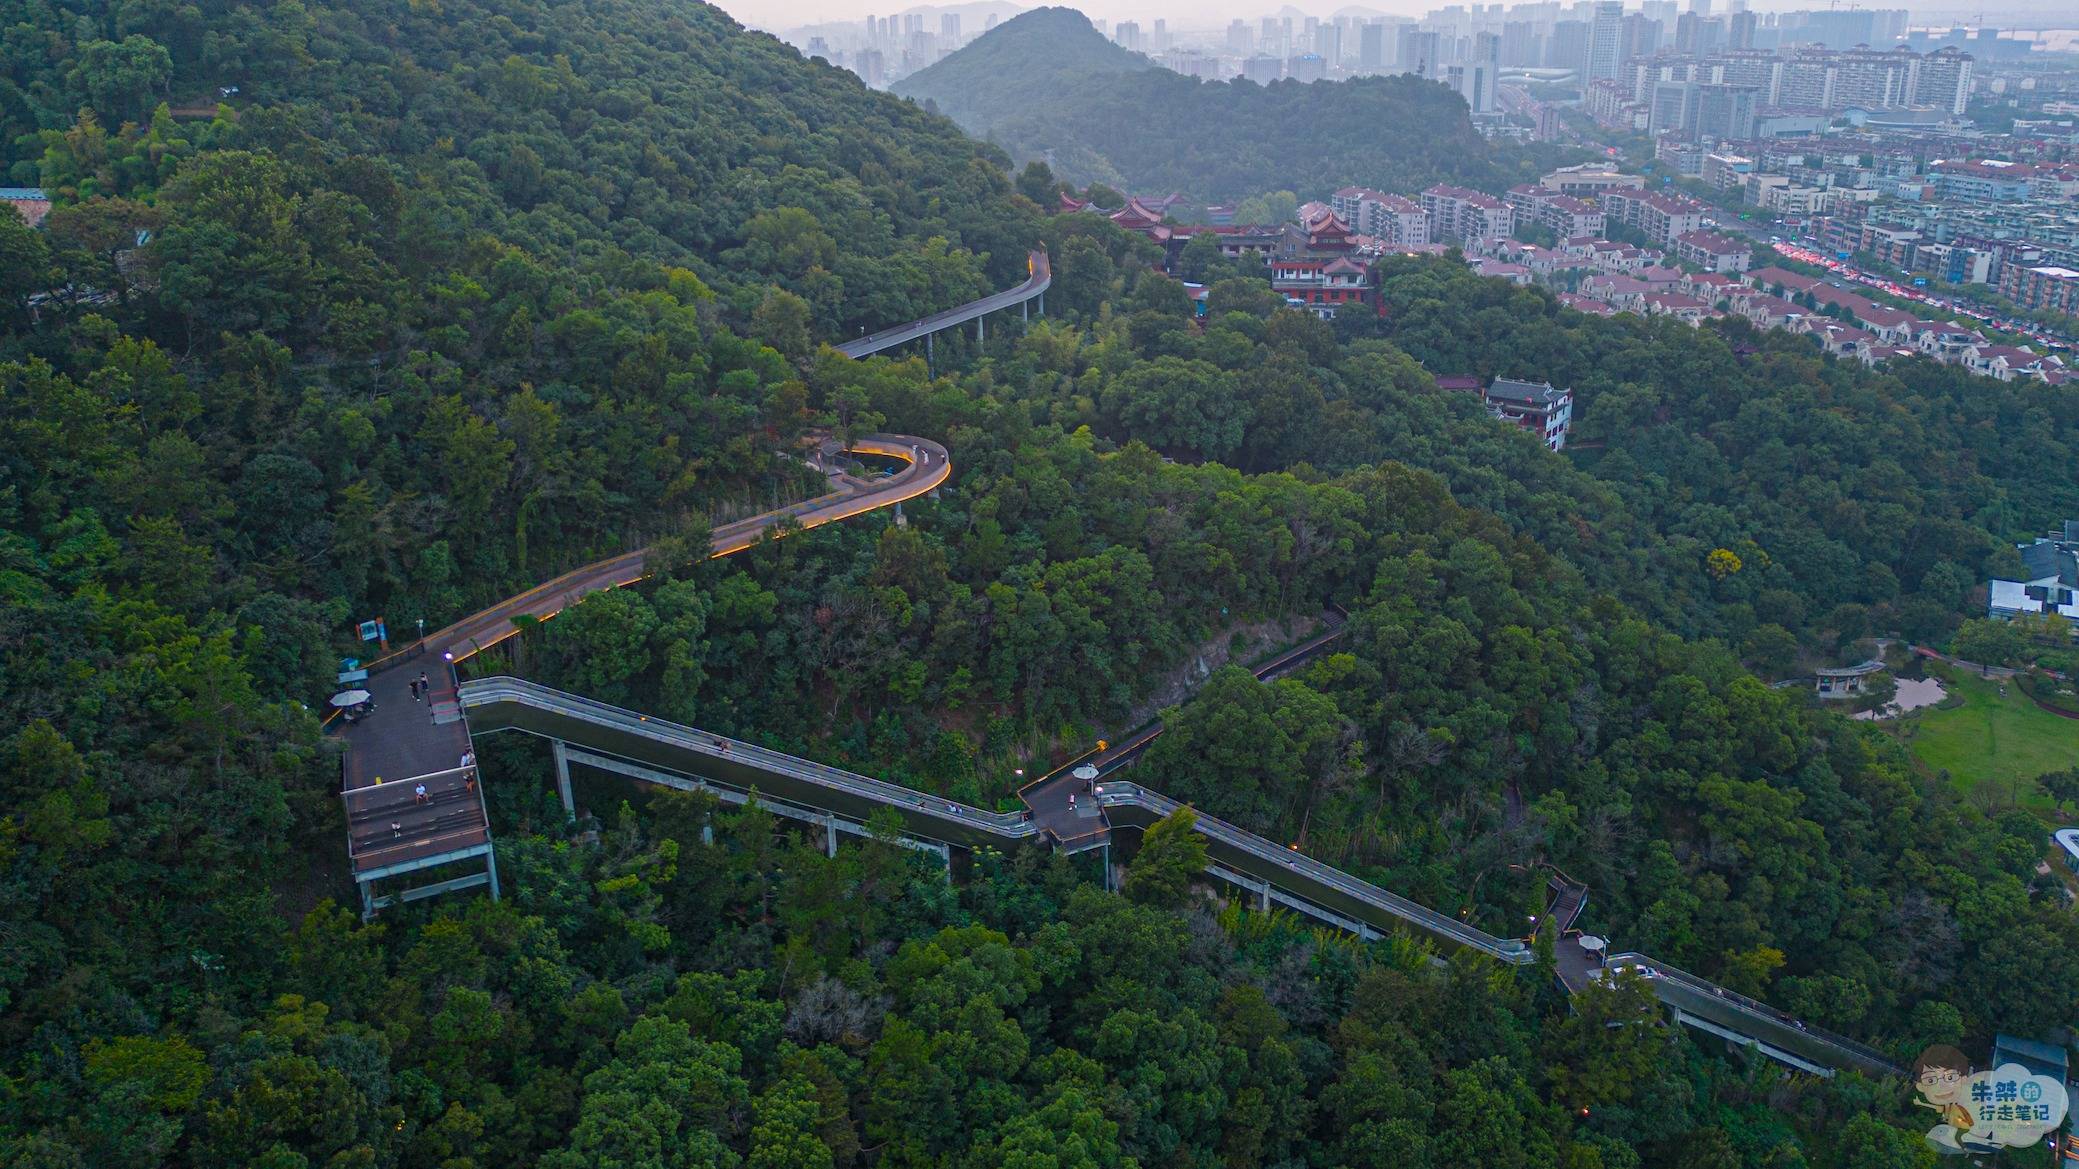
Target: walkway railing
1041, 276
1772, 1022
1277, 861
712, 751
506, 703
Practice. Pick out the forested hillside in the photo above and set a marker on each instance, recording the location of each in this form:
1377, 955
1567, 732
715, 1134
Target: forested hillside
451, 296
583, 133
1047, 84
1513, 694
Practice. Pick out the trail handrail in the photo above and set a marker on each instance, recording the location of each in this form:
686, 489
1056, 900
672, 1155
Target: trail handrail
482, 692
1510, 950
1741, 1003
1039, 279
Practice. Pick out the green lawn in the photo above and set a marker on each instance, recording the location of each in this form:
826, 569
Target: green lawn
1992, 744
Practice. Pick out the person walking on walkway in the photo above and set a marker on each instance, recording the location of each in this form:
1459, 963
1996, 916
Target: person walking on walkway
425, 687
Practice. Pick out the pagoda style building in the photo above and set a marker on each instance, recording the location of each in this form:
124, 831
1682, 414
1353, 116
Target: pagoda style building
1314, 262
1324, 237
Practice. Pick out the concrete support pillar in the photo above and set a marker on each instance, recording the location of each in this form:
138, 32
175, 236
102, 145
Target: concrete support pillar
562, 755
830, 835
1263, 897
707, 833
1025, 309
927, 349
367, 900
491, 869
1043, 304
979, 338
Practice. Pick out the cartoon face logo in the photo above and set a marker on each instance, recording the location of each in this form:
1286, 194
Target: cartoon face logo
1940, 1073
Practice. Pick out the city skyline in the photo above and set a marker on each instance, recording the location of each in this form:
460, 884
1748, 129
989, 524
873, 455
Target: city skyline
771, 16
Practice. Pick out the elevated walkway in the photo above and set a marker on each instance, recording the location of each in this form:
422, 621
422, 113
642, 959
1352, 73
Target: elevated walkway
1706, 1006
1040, 276
1287, 876
624, 739
403, 744
630, 740
588, 733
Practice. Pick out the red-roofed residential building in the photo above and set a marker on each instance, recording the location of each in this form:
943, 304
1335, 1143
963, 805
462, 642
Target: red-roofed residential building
28, 202
1393, 220
1566, 216
2010, 363
1678, 306
1893, 326
1712, 287
1946, 343
1611, 256
1501, 269
1660, 215
1620, 292
1772, 278
1713, 252
1457, 214
1582, 304
1769, 312
1838, 339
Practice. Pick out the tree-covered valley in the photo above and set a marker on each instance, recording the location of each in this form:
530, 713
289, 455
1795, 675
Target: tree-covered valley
447, 298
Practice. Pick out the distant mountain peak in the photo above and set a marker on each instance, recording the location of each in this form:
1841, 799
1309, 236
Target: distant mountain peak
1022, 60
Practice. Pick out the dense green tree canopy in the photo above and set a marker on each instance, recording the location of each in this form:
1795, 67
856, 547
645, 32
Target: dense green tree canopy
450, 297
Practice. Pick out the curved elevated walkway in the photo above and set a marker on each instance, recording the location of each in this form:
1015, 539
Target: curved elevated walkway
407, 742
1040, 276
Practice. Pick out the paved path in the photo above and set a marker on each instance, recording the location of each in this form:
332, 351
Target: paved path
1082, 825
927, 465
403, 743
